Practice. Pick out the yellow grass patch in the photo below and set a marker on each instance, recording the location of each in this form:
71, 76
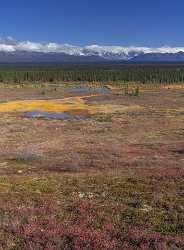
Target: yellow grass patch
174, 86
45, 105
132, 86
71, 104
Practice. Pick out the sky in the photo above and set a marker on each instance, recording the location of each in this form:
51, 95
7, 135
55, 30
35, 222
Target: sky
151, 23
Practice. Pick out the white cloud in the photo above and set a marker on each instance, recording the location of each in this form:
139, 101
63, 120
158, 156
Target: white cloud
7, 48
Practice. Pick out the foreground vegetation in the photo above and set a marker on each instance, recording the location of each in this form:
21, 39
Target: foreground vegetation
99, 212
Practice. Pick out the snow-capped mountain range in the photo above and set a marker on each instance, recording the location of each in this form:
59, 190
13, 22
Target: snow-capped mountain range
20, 51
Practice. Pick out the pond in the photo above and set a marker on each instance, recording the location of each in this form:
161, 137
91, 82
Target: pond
54, 115
87, 90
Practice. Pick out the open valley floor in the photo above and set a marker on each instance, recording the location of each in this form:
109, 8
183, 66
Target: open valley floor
85, 167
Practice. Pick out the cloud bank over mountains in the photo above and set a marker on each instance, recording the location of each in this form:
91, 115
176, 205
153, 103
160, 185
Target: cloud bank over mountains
12, 46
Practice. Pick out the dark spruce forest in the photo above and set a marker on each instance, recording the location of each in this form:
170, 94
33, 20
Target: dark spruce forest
136, 73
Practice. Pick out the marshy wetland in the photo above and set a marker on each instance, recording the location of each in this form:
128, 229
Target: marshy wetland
86, 167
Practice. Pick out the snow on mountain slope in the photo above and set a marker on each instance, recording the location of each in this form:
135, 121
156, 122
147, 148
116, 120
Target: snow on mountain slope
11, 46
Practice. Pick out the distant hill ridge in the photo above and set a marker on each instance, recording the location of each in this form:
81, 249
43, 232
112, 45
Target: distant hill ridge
12, 51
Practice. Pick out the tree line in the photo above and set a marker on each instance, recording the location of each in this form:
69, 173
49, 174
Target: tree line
108, 73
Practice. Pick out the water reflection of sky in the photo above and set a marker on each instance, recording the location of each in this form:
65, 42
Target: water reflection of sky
52, 115
88, 90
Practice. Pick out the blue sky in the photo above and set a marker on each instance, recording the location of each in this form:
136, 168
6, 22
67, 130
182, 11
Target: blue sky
104, 22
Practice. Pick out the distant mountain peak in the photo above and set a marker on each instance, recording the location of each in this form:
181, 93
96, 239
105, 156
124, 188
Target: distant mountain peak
12, 50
